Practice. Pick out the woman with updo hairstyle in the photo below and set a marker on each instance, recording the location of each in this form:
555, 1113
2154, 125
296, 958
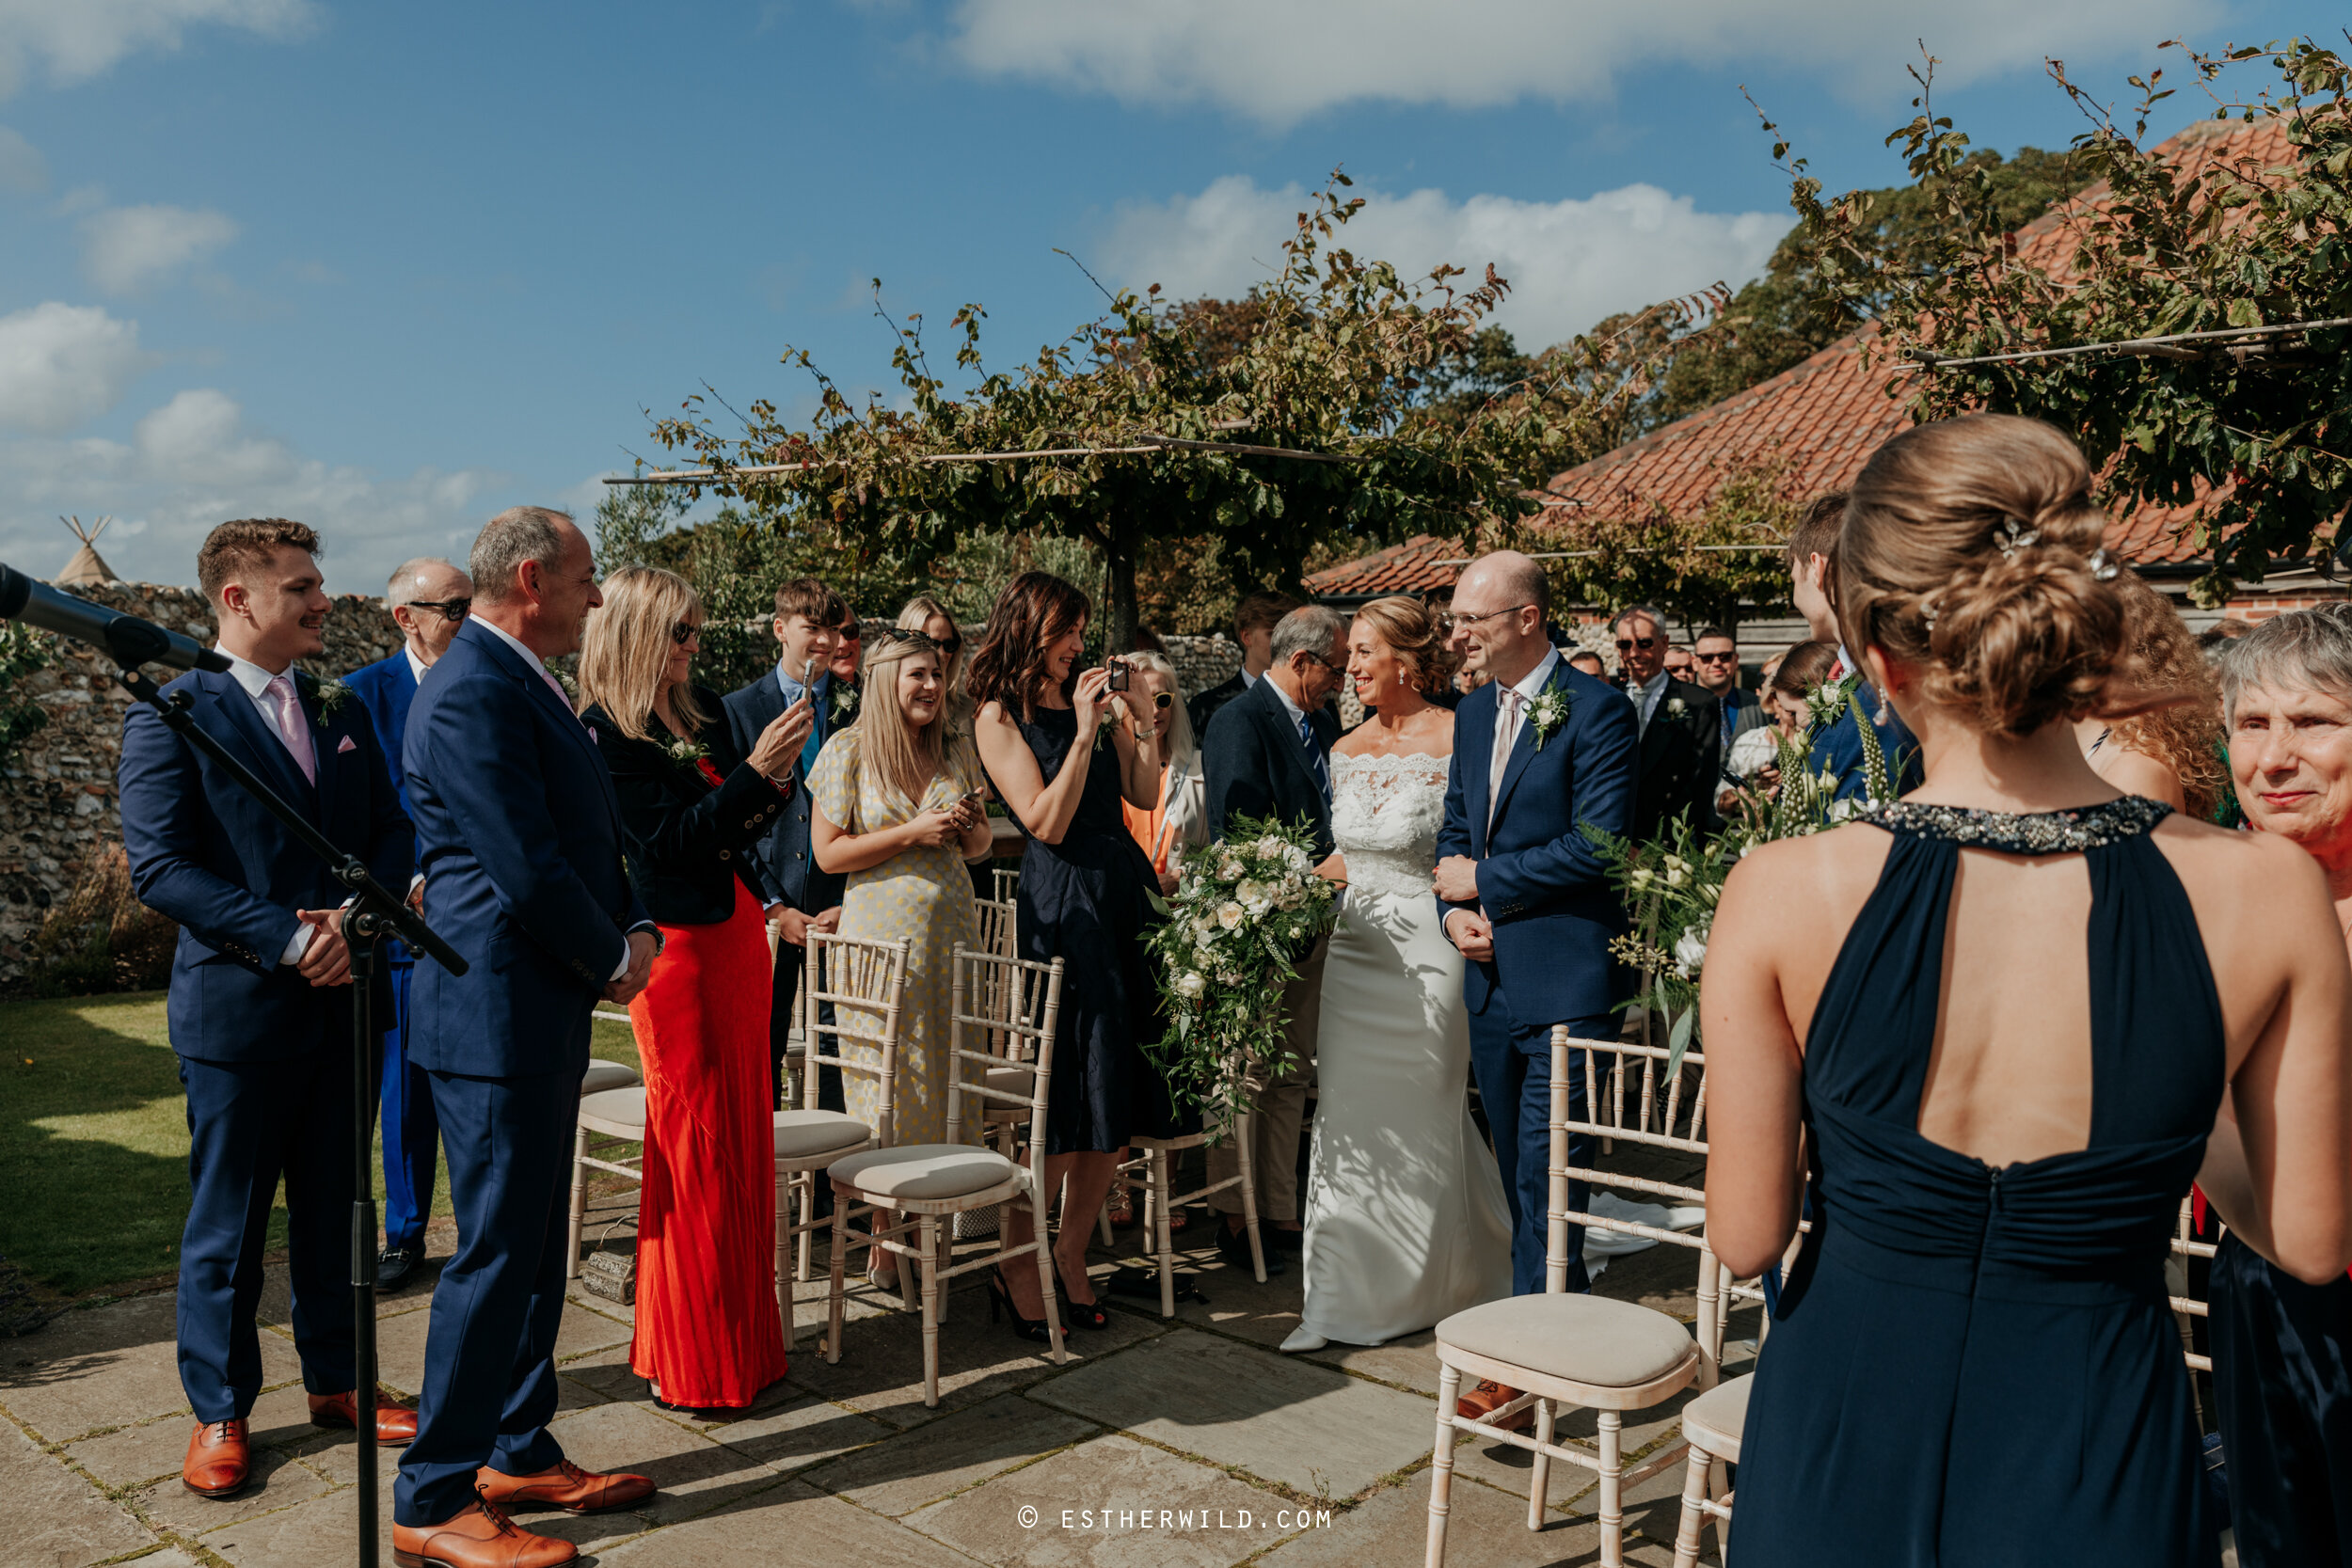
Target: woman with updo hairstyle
2171, 754
1985, 1030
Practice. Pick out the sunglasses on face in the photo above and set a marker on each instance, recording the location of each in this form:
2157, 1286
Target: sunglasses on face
1644, 644
685, 632
449, 609
1163, 699
851, 632
1715, 658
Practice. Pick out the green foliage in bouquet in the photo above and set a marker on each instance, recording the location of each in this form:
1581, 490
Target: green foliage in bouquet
1245, 909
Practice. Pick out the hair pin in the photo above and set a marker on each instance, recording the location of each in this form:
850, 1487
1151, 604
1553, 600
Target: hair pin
2014, 536
2104, 566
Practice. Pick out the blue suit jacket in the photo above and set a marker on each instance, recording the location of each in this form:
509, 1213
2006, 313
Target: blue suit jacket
386, 689
520, 839
781, 851
205, 853
1838, 750
1539, 879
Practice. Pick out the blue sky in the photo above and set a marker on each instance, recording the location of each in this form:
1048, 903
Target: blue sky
390, 268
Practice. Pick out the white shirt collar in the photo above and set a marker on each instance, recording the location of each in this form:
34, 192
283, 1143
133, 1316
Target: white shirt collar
1248, 680
1539, 677
1298, 714
251, 675
417, 667
537, 664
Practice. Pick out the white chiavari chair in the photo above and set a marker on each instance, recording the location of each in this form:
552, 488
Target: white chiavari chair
1005, 886
863, 984
991, 996
1155, 1158
1587, 1352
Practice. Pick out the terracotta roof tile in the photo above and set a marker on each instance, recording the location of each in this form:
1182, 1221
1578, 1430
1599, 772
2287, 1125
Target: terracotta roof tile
1407, 568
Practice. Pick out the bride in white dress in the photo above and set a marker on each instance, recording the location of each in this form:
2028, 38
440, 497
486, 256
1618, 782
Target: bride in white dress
1405, 1218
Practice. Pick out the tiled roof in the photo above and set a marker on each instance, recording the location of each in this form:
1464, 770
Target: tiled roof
1406, 568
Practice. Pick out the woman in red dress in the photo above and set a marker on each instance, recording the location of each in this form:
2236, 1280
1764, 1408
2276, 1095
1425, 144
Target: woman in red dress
708, 1335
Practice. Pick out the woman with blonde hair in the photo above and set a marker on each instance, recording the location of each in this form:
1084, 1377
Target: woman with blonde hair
898, 811
1984, 1031
706, 1332
1181, 820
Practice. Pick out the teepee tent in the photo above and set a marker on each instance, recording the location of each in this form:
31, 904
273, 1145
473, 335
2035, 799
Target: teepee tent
87, 565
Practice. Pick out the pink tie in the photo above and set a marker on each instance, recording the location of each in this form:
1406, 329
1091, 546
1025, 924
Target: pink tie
1506, 730
292, 729
557, 687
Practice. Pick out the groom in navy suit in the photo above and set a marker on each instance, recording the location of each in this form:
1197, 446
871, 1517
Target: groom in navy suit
518, 834
428, 599
259, 1008
1540, 752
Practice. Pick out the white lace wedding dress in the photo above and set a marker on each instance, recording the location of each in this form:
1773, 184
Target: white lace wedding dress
1405, 1217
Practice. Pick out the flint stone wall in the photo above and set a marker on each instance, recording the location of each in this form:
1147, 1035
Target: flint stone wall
57, 803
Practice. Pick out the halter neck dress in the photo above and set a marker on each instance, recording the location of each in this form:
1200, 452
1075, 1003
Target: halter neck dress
1972, 1366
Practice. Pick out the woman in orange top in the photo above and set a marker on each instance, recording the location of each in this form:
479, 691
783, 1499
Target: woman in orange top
1181, 820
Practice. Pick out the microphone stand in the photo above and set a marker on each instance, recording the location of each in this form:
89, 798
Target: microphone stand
372, 914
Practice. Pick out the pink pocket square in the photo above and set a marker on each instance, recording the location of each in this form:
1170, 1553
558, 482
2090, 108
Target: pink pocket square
348, 745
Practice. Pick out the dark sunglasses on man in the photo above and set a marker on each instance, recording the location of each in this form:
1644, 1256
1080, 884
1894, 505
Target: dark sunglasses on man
1727, 656
449, 609
1644, 644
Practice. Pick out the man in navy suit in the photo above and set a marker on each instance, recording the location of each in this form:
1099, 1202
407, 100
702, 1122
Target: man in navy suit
519, 836
1813, 585
259, 1008
1541, 752
428, 599
1267, 754
810, 617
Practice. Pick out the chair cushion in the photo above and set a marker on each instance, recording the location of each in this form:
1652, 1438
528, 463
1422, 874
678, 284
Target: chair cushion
923, 1171
1015, 1078
802, 1134
602, 1075
1715, 1419
1612, 1344
621, 1112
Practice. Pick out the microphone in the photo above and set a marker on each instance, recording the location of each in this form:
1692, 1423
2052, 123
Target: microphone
130, 641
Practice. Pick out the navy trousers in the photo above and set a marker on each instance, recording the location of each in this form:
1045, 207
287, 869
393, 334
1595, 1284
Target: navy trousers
412, 1134
1512, 1059
490, 1363
250, 1123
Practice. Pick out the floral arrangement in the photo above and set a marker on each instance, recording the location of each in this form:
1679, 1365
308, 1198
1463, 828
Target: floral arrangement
1245, 907
686, 753
1546, 713
331, 695
842, 706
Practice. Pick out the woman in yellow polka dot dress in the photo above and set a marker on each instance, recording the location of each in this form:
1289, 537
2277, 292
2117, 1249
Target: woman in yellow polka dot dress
897, 812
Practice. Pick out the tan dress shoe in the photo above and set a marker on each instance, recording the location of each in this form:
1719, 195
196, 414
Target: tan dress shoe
219, 1460
394, 1422
479, 1537
1488, 1397
566, 1486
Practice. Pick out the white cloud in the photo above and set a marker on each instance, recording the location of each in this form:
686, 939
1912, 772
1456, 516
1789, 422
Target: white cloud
62, 365
1280, 60
195, 462
126, 248
1570, 263
81, 39
22, 169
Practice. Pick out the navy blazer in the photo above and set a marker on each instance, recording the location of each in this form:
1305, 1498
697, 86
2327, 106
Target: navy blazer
1255, 765
782, 849
207, 854
1540, 880
518, 834
1838, 750
386, 689
688, 844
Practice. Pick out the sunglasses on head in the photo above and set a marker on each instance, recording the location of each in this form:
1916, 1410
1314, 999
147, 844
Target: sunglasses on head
917, 639
1644, 644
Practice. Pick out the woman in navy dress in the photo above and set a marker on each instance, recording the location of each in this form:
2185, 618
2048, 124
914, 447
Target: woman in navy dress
1996, 1020
1087, 893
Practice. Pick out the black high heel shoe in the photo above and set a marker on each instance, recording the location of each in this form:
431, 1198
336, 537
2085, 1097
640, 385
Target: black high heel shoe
1000, 1296
1089, 1314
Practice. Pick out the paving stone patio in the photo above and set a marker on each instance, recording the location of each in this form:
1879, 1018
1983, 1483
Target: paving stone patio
1181, 1442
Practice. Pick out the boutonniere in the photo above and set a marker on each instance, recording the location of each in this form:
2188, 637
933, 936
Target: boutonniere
330, 695
686, 754
1546, 713
1826, 702
843, 703
571, 687
1677, 707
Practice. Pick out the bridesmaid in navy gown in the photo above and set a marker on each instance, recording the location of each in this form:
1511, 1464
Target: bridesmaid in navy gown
1998, 1017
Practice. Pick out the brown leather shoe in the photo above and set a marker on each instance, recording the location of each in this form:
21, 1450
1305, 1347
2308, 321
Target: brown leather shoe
219, 1461
567, 1488
394, 1422
479, 1537
1488, 1397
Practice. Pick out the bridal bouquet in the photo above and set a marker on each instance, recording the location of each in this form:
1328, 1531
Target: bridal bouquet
1672, 884
1244, 909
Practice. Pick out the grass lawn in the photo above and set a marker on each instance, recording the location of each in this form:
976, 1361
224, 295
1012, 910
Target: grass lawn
94, 1141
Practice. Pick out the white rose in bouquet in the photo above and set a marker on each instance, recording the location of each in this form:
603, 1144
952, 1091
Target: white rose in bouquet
1190, 985
1230, 915
1691, 952
1268, 848
1229, 869
1255, 896
1297, 859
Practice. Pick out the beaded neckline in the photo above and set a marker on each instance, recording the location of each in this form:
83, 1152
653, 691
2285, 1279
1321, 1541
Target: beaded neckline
2041, 832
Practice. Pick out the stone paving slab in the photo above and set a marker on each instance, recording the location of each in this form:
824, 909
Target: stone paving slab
280, 1479
1485, 1529
787, 1428
792, 1524
949, 1454
1307, 1426
399, 1343
1117, 1479
101, 1366
695, 1475
57, 1519
1410, 1361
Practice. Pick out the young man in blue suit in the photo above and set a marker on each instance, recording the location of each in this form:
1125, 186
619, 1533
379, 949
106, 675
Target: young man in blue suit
1541, 752
518, 838
260, 1011
1813, 585
428, 599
